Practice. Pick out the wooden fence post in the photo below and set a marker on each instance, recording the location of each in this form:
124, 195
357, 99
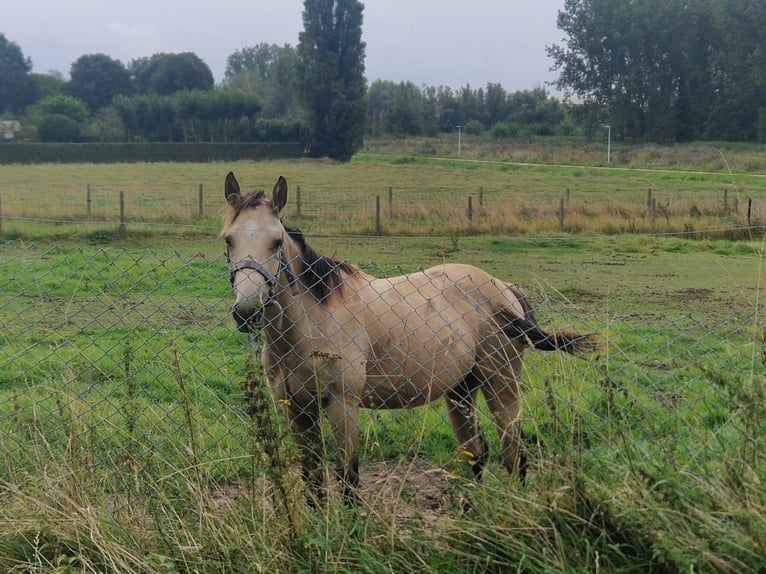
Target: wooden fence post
298, 201
200, 195
562, 211
378, 229
726, 201
390, 202
649, 198
88, 200
470, 208
123, 229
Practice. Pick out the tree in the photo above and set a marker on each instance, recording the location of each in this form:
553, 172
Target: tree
61, 104
17, 88
170, 73
269, 71
58, 128
331, 76
96, 79
738, 70
629, 59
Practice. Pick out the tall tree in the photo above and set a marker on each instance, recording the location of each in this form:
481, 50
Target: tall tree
17, 89
331, 76
96, 79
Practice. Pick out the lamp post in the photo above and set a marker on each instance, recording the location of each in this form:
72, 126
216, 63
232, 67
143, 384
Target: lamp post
608, 129
459, 133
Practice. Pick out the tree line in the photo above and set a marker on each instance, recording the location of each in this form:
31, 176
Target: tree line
666, 70
659, 70
268, 93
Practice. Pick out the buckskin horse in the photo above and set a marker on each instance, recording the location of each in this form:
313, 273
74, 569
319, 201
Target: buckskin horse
336, 339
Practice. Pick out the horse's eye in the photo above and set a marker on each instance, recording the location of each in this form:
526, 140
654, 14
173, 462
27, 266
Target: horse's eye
228, 241
277, 244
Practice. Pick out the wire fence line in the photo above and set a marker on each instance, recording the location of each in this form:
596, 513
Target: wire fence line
128, 363
459, 206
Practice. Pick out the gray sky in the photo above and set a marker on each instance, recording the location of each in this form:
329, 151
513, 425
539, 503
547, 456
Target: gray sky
431, 42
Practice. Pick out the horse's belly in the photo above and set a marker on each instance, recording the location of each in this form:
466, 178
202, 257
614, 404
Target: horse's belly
395, 390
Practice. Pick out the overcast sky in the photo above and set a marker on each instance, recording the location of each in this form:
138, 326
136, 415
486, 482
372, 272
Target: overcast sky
428, 42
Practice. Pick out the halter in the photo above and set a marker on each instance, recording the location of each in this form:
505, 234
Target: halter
271, 280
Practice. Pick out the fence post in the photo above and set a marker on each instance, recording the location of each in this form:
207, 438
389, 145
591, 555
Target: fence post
726, 201
562, 211
377, 216
1, 213
569, 195
199, 201
390, 202
649, 198
749, 210
88, 200
470, 208
123, 229
298, 201
654, 213
481, 198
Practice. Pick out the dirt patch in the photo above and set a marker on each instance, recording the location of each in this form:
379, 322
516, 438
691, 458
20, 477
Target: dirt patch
692, 294
408, 489
396, 492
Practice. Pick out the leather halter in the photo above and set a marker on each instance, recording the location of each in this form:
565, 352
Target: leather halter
271, 280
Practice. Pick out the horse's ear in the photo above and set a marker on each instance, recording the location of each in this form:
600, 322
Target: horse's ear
231, 189
279, 197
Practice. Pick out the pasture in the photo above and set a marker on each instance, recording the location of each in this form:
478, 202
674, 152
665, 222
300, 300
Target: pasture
138, 436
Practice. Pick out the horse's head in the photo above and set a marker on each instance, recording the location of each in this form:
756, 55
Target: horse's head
254, 238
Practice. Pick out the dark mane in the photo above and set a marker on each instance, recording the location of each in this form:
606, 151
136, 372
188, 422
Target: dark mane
320, 274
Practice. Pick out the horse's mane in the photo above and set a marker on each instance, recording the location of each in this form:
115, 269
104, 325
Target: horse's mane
321, 275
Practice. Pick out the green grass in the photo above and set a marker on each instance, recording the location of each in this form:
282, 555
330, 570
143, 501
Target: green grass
120, 405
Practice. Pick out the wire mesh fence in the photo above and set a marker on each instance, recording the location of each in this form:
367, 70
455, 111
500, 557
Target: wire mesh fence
128, 364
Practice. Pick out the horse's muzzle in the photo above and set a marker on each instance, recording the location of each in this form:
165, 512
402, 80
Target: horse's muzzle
247, 317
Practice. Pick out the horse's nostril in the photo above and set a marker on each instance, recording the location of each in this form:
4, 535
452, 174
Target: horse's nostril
245, 316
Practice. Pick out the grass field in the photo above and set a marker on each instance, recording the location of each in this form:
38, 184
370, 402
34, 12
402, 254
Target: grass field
127, 447
428, 194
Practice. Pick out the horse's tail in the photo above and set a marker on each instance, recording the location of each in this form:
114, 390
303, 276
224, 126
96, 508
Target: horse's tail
526, 327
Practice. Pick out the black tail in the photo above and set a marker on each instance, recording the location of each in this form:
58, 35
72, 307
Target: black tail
527, 328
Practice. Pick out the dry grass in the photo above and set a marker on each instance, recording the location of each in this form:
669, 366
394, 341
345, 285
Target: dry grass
514, 189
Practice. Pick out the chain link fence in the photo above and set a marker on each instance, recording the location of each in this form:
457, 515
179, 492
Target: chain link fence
127, 364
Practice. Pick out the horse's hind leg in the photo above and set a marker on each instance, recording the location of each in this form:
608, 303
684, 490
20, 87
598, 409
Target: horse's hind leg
501, 391
461, 409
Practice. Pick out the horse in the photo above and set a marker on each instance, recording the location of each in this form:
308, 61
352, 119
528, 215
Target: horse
336, 339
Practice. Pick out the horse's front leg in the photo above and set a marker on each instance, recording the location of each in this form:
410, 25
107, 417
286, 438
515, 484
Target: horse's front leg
305, 423
341, 401
343, 416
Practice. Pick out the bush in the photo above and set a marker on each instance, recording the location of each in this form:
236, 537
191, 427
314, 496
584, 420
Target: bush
505, 130
473, 128
58, 128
